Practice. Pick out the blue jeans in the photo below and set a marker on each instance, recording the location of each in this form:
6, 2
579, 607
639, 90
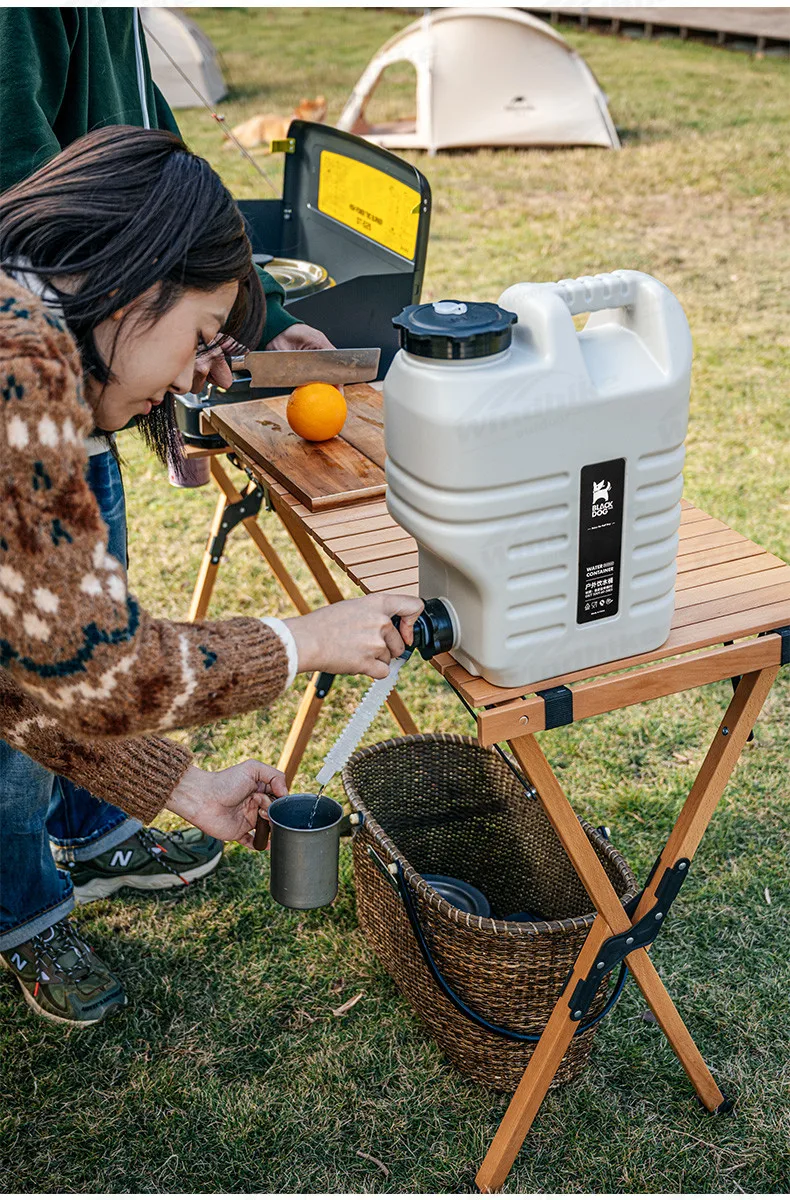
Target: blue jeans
43, 816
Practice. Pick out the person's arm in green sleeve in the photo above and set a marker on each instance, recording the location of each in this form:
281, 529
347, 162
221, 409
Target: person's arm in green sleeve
284, 331
277, 317
34, 65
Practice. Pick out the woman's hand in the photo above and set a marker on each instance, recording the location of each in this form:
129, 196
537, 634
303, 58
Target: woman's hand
211, 366
300, 337
355, 637
226, 803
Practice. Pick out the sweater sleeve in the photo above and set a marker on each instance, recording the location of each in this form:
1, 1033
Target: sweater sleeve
34, 67
71, 636
136, 774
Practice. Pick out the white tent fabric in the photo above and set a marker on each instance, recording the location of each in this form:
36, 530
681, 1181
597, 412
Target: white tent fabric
187, 45
486, 77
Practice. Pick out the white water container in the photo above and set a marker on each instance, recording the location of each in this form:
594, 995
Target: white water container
541, 474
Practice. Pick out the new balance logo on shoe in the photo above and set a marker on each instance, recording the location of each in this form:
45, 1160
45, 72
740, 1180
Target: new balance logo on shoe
19, 963
147, 861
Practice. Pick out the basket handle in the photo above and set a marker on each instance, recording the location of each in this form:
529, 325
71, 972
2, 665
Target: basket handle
399, 881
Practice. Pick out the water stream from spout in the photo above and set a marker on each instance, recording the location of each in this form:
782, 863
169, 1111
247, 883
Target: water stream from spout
319, 793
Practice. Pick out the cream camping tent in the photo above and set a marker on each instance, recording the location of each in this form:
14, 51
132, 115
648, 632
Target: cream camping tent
188, 47
486, 77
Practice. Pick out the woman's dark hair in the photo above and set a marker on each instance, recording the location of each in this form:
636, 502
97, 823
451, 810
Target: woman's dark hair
124, 210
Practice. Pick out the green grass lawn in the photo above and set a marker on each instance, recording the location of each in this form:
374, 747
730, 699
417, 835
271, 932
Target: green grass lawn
228, 1072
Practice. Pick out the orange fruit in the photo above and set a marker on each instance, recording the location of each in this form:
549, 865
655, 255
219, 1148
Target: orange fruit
316, 411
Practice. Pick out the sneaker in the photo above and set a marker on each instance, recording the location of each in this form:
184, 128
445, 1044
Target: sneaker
146, 861
62, 979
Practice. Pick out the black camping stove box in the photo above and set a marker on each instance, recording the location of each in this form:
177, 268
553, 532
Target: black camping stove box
360, 212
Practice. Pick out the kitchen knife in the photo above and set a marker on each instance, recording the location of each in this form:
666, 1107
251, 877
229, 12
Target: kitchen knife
290, 368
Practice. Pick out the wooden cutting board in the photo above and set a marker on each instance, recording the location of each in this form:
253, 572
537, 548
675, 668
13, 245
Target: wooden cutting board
323, 475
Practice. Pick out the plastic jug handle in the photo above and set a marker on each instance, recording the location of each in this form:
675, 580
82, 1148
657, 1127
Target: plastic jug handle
590, 293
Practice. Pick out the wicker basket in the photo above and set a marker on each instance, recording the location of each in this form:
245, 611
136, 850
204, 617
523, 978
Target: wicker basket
442, 804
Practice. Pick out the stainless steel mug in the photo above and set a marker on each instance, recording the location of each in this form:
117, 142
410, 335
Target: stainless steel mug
303, 861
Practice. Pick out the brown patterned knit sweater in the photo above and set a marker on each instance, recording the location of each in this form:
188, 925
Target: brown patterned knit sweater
79, 659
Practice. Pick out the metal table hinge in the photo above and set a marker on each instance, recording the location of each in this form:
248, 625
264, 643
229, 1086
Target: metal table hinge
558, 703
616, 948
267, 500
248, 506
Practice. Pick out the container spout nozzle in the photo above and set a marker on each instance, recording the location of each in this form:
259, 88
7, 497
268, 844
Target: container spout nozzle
436, 629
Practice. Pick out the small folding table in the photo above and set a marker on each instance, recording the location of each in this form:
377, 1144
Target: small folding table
732, 621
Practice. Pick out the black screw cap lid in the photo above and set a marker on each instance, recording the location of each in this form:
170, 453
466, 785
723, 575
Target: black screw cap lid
454, 329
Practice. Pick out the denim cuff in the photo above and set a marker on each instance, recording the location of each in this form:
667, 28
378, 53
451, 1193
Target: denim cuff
87, 849
37, 924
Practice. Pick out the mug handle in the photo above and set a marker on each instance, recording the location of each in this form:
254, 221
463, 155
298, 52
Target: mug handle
262, 831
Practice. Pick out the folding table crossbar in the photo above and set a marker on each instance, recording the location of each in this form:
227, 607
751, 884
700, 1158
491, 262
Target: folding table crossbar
732, 620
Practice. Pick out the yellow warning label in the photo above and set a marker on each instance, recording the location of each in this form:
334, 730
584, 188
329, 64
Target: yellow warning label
369, 201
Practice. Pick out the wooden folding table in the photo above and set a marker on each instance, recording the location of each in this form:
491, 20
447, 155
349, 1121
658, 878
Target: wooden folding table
731, 621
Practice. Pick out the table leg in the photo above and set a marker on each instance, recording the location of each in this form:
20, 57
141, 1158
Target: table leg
717, 767
541, 1069
560, 1029
686, 835
682, 843
302, 728
204, 586
400, 714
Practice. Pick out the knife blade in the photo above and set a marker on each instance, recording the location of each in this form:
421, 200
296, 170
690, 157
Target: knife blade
290, 368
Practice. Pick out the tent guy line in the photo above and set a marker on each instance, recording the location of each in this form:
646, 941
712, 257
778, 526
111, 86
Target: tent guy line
219, 120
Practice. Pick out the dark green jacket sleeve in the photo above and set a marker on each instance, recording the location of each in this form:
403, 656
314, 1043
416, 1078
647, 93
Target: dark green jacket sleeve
34, 69
277, 317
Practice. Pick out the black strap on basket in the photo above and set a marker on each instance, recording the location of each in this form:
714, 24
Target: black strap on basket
512, 1034
456, 1001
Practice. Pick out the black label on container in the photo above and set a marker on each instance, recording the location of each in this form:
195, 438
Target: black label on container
600, 540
